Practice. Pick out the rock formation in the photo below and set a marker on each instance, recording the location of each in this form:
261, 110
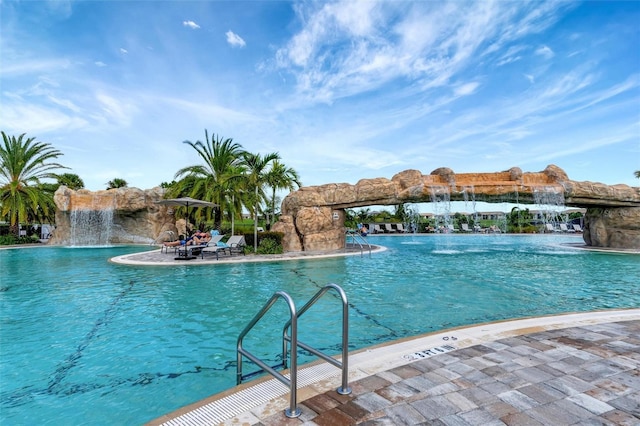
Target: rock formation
313, 217
134, 216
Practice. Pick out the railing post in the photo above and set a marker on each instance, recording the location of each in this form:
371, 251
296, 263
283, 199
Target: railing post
344, 389
293, 410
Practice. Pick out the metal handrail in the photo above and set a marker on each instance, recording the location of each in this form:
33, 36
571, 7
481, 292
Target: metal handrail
359, 239
344, 365
293, 411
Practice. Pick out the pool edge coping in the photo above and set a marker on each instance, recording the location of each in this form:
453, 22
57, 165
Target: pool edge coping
373, 360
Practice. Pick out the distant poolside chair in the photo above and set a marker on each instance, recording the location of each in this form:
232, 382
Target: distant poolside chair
388, 228
465, 227
577, 227
451, 228
400, 228
564, 228
550, 228
377, 229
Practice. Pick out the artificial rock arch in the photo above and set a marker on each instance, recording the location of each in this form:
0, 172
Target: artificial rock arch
313, 217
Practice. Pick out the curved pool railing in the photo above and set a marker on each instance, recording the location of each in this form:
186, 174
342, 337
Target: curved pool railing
357, 240
292, 382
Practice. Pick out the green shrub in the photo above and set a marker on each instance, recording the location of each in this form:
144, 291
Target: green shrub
10, 239
269, 246
7, 240
276, 236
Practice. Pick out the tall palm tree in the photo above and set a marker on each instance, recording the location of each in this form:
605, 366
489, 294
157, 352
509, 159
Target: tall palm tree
637, 174
71, 181
117, 183
212, 180
256, 166
23, 163
281, 177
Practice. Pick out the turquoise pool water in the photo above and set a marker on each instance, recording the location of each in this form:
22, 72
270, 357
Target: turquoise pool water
85, 341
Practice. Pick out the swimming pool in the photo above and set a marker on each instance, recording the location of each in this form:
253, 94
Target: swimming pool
85, 341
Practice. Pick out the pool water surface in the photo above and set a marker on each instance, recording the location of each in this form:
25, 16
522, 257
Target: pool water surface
86, 341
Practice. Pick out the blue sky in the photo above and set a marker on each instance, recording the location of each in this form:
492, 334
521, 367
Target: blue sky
342, 90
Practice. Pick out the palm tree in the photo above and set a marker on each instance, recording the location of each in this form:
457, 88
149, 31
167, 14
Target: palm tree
637, 174
256, 166
280, 177
116, 183
23, 163
214, 180
71, 181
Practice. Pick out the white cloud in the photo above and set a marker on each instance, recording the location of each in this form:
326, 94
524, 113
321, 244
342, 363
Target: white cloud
466, 89
545, 51
118, 110
191, 25
123, 51
100, 64
18, 118
511, 55
234, 39
530, 77
430, 44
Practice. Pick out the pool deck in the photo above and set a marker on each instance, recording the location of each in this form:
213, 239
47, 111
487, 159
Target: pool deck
581, 368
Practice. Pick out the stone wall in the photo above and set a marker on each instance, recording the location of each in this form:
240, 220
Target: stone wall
613, 227
313, 217
136, 216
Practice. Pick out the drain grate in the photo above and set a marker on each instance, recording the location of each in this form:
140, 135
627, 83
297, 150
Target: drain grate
242, 401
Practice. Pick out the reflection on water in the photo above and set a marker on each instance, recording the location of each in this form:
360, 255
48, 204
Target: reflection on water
83, 338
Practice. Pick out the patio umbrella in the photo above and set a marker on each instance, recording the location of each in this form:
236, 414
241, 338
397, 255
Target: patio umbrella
186, 202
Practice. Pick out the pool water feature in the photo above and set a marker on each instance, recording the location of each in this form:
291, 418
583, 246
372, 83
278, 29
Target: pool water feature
85, 341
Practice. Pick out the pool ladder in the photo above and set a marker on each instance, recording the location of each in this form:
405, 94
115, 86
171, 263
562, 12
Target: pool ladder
292, 382
357, 239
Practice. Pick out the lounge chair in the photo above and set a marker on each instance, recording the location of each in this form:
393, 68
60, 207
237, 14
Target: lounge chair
400, 228
564, 228
451, 228
377, 229
465, 227
236, 244
214, 246
577, 228
549, 228
388, 228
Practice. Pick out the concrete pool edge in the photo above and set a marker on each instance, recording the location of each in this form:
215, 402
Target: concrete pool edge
156, 258
264, 397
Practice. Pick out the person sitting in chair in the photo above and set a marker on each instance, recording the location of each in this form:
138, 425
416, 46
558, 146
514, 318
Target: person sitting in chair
201, 238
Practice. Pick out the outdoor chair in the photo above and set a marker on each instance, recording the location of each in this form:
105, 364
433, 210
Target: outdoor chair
236, 244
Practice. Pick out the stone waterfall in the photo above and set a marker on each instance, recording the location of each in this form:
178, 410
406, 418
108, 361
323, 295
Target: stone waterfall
115, 216
91, 227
